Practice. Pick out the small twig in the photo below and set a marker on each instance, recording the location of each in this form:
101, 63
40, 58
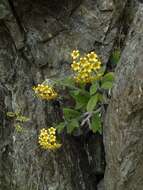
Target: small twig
87, 116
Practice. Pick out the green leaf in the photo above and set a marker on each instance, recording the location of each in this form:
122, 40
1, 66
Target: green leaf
115, 57
18, 128
81, 98
96, 123
108, 77
79, 92
60, 127
18, 112
10, 114
70, 113
102, 70
92, 102
74, 92
22, 118
68, 82
72, 125
93, 88
107, 85
100, 97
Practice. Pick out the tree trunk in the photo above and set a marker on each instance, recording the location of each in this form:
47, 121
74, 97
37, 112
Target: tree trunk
36, 38
124, 120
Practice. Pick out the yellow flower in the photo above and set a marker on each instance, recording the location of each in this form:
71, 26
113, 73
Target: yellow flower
88, 68
75, 66
52, 130
47, 139
92, 56
75, 54
97, 65
84, 68
45, 92
83, 61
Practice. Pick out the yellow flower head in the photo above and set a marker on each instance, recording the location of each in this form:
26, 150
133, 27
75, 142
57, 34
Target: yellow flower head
45, 92
84, 78
75, 54
83, 61
52, 130
86, 67
97, 65
47, 139
75, 66
92, 56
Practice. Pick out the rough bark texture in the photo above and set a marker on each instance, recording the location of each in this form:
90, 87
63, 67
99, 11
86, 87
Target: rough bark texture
124, 120
36, 37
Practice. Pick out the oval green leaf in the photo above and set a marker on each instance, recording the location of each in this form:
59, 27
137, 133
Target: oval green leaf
92, 103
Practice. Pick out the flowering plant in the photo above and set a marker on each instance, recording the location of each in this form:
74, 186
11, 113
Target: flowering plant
88, 87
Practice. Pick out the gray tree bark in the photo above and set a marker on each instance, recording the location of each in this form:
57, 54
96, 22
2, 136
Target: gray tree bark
124, 120
36, 38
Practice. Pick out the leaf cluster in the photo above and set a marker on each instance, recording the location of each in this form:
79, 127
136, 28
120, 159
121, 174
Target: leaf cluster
19, 120
88, 102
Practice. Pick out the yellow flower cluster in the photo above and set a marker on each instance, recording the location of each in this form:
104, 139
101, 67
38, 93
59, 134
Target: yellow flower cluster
86, 67
45, 92
47, 139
